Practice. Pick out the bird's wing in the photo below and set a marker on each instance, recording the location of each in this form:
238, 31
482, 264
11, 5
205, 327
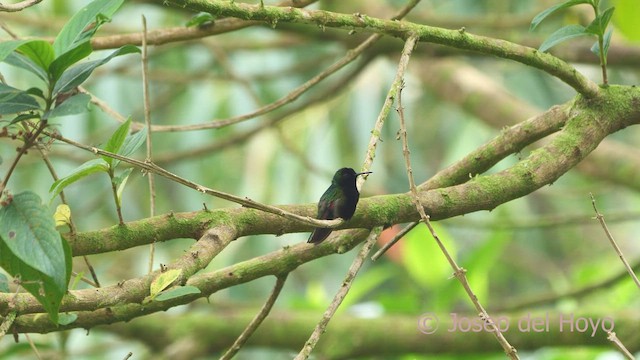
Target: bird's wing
329, 210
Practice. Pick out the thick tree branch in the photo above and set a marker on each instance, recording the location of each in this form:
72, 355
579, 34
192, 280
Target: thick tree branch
454, 38
589, 122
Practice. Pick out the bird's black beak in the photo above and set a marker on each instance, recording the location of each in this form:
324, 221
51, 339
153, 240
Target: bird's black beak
363, 173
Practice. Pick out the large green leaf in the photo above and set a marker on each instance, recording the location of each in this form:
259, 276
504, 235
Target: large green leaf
39, 51
84, 170
563, 34
72, 56
543, 14
84, 24
24, 62
77, 74
77, 104
14, 100
7, 47
32, 249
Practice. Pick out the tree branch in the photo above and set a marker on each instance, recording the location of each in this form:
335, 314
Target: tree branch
401, 29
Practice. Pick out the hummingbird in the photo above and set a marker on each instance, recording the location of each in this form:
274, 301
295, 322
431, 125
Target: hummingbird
338, 201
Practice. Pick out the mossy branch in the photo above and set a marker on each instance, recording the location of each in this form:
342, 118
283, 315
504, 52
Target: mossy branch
460, 39
589, 121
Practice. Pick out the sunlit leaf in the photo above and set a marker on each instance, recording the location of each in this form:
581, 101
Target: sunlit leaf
163, 281
626, 19
62, 216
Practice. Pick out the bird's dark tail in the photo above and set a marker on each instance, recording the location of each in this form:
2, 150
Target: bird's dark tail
318, 235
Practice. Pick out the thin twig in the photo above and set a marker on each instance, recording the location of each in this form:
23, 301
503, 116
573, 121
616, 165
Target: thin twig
340, 295
375, 232
395, 239
147, 120
19, 6
246, 202
349, 57
611, 336
33, 346
257, 320
600, 218
459, 272
30, 140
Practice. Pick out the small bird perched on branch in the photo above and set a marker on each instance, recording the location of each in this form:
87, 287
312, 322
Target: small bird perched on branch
338, 201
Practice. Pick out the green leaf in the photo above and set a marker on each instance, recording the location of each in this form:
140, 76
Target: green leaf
67, 318
201, 19
62, 216
131, 144
77, 74
120, 182
8, 47
21, 61
23, 117
77, 104
14, 100
177, 292
38, 51
600, 23
163, 281
562, 34
84, 24
72, 56
32, 249
543, 14
115, 142
84, 170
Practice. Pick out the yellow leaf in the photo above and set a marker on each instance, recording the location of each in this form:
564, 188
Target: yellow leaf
62, 215
164, 280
